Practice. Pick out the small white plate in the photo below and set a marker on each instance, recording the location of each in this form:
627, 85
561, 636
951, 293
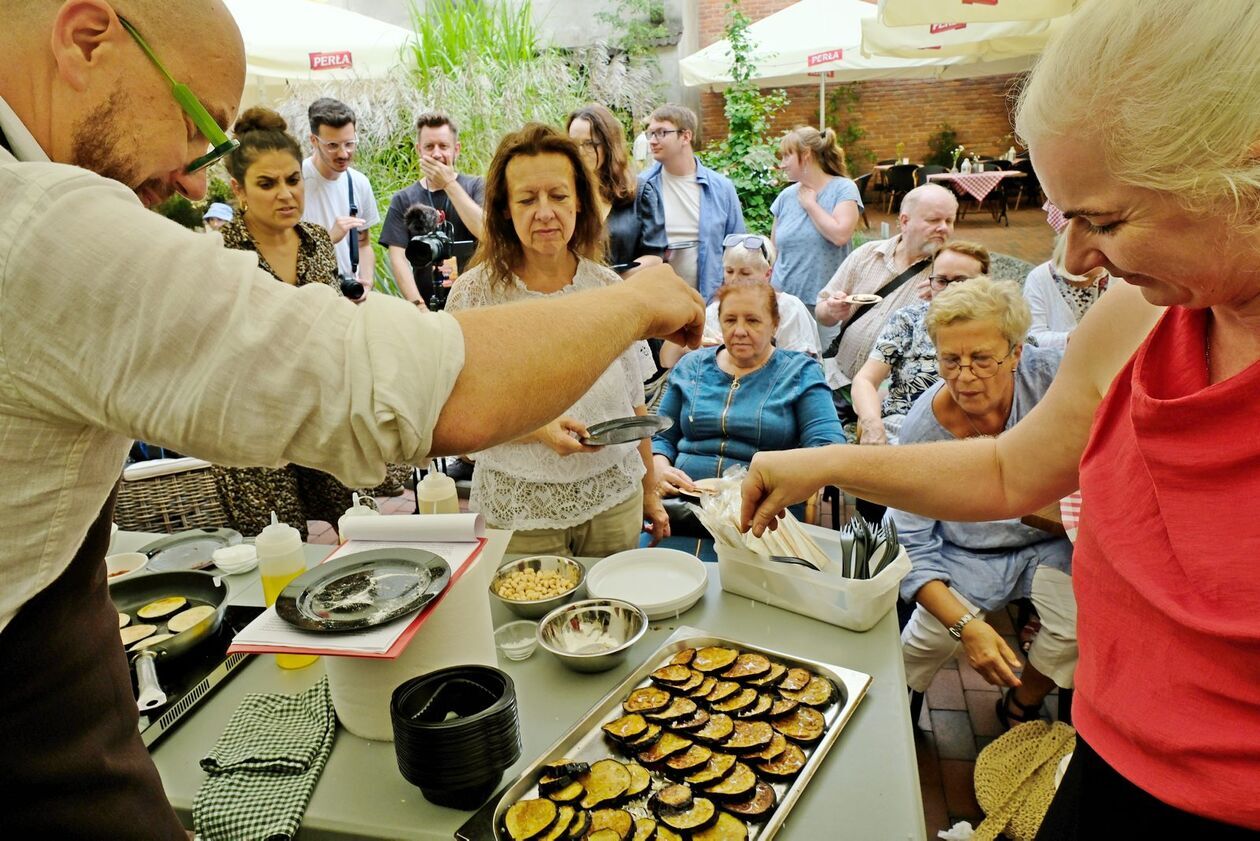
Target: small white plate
662, 582
862, 298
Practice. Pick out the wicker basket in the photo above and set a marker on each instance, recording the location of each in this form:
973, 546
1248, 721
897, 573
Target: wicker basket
170, 503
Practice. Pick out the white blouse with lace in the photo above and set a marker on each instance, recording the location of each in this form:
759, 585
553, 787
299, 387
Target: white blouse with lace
530, 486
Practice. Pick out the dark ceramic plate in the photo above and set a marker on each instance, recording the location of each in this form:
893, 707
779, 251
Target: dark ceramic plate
625, 430
363, 590
185, 550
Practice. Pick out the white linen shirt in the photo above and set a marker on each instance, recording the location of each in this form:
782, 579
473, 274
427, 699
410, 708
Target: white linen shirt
118, 324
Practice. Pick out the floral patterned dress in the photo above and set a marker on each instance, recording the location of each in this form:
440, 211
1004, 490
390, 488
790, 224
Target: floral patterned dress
295, 493
904, 345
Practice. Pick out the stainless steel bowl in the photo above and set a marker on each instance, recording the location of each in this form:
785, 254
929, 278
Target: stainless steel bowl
592, 635
568, 568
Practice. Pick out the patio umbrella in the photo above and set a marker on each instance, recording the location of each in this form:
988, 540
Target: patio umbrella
303, 41
810, 38
912, 12
1000, 40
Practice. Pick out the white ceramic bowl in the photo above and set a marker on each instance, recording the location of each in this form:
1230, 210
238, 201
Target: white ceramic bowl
663, 582
236, 559
124, 565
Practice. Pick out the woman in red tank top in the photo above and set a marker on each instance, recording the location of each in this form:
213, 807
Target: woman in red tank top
1152, 152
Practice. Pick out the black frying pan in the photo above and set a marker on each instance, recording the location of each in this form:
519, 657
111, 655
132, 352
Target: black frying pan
199, 588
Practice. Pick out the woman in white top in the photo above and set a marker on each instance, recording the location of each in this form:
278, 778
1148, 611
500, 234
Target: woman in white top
1059, 299
558, 495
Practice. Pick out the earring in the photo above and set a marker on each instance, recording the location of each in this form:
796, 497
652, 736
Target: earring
244, 207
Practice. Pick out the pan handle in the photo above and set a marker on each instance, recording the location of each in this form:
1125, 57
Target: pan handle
151, 694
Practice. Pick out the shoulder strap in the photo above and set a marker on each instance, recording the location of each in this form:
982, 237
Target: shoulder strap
353, 235
884, 291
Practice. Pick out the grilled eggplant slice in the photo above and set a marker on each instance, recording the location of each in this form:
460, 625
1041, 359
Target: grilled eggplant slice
718, 729
784, 766
770, 678
568, 793
683, 658
530, 818
607, 780
646, 699
664, 833
690, 683
725, 828
692, 722
719, 765
819, 692
803, 724
690, 760
701, 814
749, 737
625, 729
614, 820
604, 835
757, 710
783, 706
722, 690
672, 799
705, 687
713, 659
678, 708
671, 675
640, 779
748, 666
796, 680
645, 741
644, 829
738, 785
581, 823
758, 807
665, 747
778, 744
741, 700
560, 829
564, 768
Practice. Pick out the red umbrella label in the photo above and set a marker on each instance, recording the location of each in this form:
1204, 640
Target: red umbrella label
339, 60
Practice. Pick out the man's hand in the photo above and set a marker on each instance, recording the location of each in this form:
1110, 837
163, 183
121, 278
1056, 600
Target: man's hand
989, 654
562, 435
832, 309
923, 288
777, 479
669, 308
438, 175
343, 226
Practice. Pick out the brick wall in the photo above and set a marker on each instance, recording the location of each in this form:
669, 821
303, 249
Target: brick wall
890, 111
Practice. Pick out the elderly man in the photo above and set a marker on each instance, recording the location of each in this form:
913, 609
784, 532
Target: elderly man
179, 341
892, 268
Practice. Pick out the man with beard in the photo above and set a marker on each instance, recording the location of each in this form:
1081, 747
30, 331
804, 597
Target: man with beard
458, 197
927, 221
118, 324
338, 196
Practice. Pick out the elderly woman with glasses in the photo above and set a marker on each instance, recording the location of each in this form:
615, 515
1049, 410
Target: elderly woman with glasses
990, 381
904, 353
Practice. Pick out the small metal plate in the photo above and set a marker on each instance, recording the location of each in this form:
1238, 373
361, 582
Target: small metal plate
363, 590
625, 430
192, 549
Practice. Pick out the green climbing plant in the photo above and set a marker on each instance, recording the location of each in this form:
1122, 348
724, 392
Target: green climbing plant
748, 155
942, 145
842, 109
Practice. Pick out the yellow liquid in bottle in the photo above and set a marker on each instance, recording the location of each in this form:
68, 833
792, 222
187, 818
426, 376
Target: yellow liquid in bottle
272, 587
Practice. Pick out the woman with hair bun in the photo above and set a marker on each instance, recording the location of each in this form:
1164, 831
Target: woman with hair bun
814, 217
266, 173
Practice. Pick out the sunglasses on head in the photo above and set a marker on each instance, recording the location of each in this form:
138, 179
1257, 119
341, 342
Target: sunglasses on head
220, 144
752, 242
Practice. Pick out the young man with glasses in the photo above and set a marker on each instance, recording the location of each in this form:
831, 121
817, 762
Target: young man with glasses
698, 207
329, 179
118, 324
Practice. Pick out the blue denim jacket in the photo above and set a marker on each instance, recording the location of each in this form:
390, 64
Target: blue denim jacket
719, 423
720, 214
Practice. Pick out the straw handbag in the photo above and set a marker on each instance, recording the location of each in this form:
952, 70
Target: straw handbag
1015, 778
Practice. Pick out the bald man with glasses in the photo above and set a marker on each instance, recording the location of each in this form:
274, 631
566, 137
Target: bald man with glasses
117, 324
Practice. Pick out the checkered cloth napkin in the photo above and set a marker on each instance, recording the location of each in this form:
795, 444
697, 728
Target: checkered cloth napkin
265, 765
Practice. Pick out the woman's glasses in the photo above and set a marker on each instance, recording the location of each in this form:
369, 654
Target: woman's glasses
220, 143
982, 365
940, 281
752, 242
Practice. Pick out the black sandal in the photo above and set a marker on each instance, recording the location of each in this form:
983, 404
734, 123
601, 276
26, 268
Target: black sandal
1027, 712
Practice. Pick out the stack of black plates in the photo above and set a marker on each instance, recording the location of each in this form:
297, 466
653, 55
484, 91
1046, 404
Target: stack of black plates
455, 732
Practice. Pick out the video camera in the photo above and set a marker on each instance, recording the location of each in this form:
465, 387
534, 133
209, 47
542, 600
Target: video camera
432, 244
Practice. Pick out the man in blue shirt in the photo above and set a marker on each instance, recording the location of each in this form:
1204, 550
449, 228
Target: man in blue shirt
698, 206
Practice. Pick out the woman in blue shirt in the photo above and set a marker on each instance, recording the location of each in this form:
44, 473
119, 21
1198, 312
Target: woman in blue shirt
733, 401
815, 217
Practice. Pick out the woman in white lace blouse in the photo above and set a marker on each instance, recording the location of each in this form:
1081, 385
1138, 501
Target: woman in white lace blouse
542, 237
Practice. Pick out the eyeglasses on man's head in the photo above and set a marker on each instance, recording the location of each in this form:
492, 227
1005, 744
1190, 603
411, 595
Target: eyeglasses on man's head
220, 144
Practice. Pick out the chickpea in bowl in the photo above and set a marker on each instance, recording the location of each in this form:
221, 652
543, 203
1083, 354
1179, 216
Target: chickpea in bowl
532, 587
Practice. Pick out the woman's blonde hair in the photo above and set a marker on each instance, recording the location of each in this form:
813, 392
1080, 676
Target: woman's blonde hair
822, 145
1172, 88
996, 302
768, 256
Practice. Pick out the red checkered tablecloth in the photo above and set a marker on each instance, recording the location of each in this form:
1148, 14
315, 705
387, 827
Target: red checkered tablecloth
975, 184
1070, 510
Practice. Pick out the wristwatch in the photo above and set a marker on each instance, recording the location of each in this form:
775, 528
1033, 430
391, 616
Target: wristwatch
955, 630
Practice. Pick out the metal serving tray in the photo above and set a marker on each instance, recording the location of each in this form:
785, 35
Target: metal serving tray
585, 741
